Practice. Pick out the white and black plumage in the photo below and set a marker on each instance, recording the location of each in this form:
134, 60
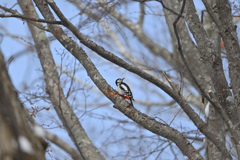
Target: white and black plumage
124, 90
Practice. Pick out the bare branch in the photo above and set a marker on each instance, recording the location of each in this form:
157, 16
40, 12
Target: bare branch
174, 87
29, 19
202, 55
16, 14
101, 83
55, 91
142, 13
231, 43
55, 139
160, 1
212, 61
187, 109
14, 127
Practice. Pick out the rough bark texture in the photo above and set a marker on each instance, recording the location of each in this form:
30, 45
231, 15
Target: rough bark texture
190, 50
93, 73
230, 39
212, 61
216, 124
13, 124
214, 120
54, 89
203, 62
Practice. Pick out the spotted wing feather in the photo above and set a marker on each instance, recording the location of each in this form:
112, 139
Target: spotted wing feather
127, 90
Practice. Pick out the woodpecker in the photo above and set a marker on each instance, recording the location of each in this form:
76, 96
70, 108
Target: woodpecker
124, 90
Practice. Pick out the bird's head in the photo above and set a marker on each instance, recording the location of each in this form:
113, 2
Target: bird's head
119, 80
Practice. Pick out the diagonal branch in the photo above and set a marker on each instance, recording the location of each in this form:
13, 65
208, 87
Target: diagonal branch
55, 91
212, 61
219, 109
28, 18
229, 36
163, 5
13, 123
175, 95
154, 126
16, 14
107, 91
135, 28
214, 103
199, 71
53, 138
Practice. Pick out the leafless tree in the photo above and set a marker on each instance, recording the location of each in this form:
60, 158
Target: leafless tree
182, 62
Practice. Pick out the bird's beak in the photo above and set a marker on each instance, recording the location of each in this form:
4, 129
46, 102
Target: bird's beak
123, 78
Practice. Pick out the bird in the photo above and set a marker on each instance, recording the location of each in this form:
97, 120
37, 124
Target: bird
124, 90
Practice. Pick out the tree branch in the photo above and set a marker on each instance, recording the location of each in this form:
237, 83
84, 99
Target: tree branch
13, 123
96, 77
175, 95
212, 61
231, 43
226, 154
55, 91
55, 139
142, 13
16, 14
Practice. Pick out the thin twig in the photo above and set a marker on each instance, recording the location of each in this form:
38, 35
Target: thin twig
29, 19
142, 13
163, 5
212, 15
175, 116
174, 87
214, 103
16, 14
169, 9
